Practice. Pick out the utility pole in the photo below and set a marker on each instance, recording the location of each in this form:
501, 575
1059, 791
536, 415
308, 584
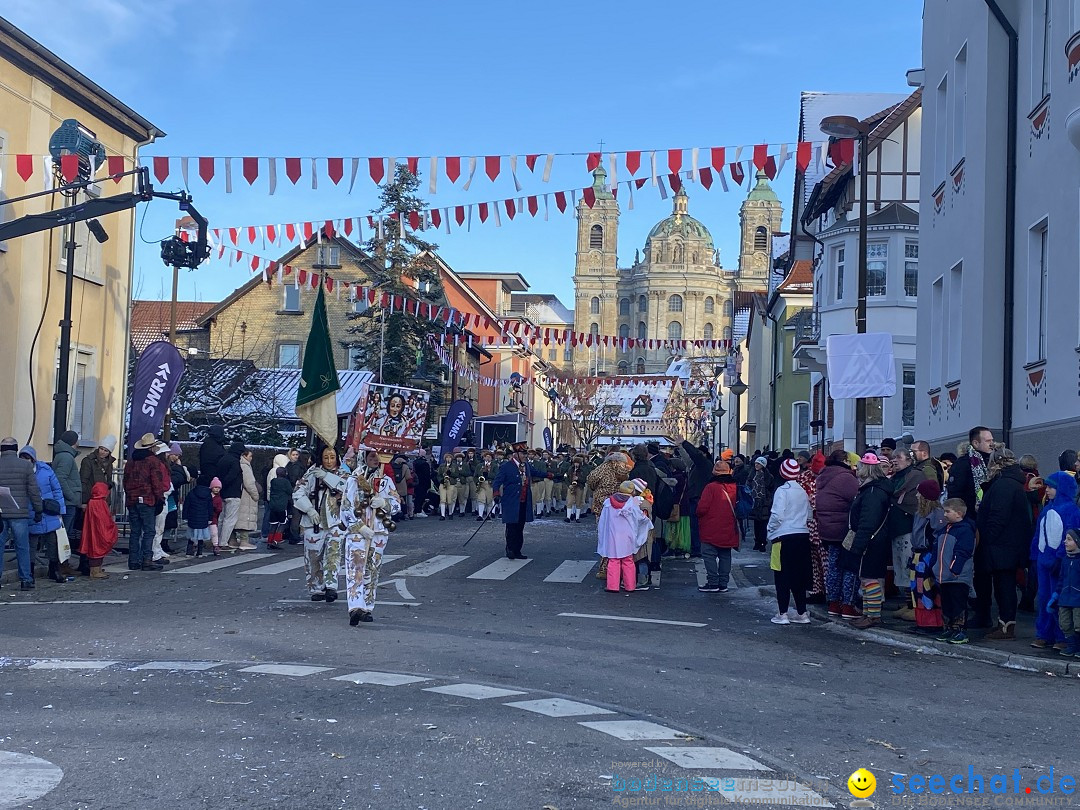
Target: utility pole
60, 411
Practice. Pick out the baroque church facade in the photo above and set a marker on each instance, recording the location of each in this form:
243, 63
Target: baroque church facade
676, 290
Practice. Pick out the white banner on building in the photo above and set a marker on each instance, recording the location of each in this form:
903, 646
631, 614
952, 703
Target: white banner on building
861, 365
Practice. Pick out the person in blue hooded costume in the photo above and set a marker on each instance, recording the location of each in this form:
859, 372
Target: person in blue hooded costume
1047, 550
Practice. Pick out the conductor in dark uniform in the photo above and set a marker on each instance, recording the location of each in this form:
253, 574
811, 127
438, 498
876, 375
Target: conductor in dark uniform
513, 486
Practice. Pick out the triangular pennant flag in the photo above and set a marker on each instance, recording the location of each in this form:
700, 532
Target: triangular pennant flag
592, 161
492, 165
24, 165
633, 162
674, 160
717, 156
803, 153
533, 206
705, 178
335, 169
530, 161
560, 201
761, 154
161, 168
292, 169
453, 169
250, 167
206, 169
377, 169
413, 165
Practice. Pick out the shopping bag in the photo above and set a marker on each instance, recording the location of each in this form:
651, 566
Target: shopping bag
63, 546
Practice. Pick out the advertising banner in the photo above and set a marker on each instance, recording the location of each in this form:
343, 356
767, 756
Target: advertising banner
157, 374
458, 419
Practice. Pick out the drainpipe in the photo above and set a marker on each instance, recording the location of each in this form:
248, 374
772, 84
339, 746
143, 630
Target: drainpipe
1010, 220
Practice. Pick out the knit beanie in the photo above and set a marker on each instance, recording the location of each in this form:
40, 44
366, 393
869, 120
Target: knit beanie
789, 469
215, 482
640, 453
721, 468
817, 463
69, 437
764, 462
929, 489
728, 454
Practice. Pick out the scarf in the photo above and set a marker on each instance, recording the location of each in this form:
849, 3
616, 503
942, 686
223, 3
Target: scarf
980, 472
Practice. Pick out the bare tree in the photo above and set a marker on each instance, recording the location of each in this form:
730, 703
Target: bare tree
587, 411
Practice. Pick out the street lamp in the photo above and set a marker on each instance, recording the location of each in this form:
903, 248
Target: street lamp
718, 436
846, 126
738, 388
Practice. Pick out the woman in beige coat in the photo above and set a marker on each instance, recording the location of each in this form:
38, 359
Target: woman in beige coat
247, 519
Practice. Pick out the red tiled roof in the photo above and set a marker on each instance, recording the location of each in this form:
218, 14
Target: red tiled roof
150, 319
800, 279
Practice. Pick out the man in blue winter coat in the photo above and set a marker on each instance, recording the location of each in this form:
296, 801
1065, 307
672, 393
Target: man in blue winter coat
45, 524
513, 486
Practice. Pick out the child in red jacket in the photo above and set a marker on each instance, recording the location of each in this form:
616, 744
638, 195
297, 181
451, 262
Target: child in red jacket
219, 507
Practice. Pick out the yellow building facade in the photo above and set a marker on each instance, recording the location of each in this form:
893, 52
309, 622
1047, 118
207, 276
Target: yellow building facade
37, 92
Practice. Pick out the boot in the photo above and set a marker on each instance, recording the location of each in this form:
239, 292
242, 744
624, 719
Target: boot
66, 570
1073, 648
97, 573
198, 548
190, 549
1005, 631
905, 613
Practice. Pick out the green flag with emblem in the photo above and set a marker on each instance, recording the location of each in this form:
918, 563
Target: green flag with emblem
316, 398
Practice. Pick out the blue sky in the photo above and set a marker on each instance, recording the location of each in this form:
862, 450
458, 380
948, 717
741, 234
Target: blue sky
239, 77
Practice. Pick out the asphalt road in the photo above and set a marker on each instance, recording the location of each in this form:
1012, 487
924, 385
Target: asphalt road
173, 716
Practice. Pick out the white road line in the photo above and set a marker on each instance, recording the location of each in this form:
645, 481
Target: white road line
237, 559
571, 571
180, 666
474, 691
380, 678
377, 602
73, 602
632, 619
389, 558
742, 789
500, 569
402, 590
557, 707
634, 729
439, 562
722, 758
277, 568
285, 669
72, 664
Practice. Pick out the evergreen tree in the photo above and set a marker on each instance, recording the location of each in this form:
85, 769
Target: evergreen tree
405, 265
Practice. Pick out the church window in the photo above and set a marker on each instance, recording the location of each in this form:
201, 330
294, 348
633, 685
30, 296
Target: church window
594, 329
624, 306
624, 331
674, 331
594, 306
642, 304
710, 305
640, 367
761, 238
596, 237
642, 331
727, 333
708, 332
729, 309
674, 304
624, 367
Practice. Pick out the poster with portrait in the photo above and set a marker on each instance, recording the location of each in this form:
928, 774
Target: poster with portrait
389, 419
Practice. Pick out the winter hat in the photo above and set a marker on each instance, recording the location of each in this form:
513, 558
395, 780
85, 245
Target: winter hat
69, 437
764, 462
653, 448
640, 453
790, 469
109, 443
853, 458
146, 442
237, 449
639, 485
215, 482
29, 451
175, 449
627, 488
728, 454
9, 444
817, 463
804, 454
889, 443
721, 468
929, 489
216, 432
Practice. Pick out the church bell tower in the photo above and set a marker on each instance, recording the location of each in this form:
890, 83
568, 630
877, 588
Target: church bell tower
596, 276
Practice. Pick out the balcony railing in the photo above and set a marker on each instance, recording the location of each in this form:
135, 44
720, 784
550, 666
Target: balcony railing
807, 324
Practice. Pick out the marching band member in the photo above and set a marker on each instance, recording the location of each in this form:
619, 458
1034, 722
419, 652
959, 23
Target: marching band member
486, 472
370, 498
318, 497
575, 489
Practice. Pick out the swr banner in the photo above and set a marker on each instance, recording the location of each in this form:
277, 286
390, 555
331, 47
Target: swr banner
157, 374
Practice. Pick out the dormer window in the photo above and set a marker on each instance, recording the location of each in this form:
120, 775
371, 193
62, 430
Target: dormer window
642, 406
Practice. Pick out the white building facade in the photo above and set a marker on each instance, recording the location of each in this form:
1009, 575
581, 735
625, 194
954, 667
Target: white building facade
998, 334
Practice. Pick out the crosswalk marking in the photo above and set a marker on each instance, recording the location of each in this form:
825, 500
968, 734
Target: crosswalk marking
634, 729
558, 707
500, 569
181, 666
439, 562
72, 664
207, 567
292, 670
474, 691
703, 757
571, 571
277, 568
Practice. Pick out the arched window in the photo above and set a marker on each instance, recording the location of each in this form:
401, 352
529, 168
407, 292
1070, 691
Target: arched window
761, 238
674, 331
624, 306
727, 333
624, 367
594, 306
640, 365
594, 329
642, 331
710, 305
624, 331
707, 332
729, 309
642, 304
674, 304
596, 237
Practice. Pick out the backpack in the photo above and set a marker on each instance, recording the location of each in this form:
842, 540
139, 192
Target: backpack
663, 499
744, 503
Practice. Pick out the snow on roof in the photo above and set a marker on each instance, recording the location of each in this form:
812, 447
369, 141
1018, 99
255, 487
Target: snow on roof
279, 386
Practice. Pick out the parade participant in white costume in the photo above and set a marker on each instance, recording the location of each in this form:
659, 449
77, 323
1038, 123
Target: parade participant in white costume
318, 497
371, 497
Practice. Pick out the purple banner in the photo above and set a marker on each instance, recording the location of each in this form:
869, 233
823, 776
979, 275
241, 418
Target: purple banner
157, 374
458, 419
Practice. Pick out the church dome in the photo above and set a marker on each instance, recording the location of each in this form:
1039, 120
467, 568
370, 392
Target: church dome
680, 223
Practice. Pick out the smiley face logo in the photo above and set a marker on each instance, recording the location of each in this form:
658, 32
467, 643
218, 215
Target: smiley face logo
862, 784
